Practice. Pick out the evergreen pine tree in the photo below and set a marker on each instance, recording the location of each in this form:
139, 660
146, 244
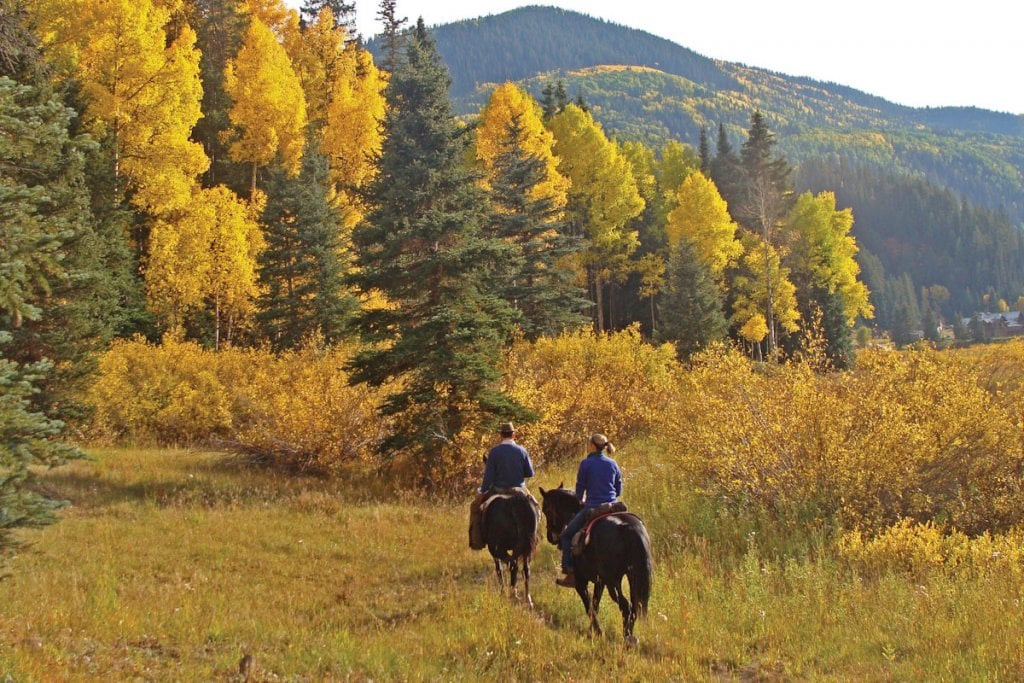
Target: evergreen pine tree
930, 326
580, 102
835, 328
767, 190
34, 230
561, 96
538, 283
690, 309
301, 272
391, 34
423, 245
343, 12
763, 199
725, 169
220, 26
27, 438
704, 152
84, 267
960, 330
547, 102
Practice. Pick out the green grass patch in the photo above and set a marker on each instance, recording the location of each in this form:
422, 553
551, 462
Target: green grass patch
170, 565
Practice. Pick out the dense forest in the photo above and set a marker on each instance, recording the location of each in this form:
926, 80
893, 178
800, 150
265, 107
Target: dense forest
937, 193
672, 92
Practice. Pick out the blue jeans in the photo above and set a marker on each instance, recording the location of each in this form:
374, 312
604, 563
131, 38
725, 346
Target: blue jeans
565, 540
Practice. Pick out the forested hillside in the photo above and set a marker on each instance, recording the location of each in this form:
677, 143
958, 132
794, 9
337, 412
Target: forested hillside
975, 153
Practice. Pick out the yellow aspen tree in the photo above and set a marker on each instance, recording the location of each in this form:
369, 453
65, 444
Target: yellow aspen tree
822, 251
750, 293
268, 116
676, 164
509, 102
351, 138
702, 217
275, 15
141, 89
205, 257
315, 56
602, 199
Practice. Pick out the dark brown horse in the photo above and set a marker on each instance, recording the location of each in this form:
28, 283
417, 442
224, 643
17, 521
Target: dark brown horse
510, 527
619, 547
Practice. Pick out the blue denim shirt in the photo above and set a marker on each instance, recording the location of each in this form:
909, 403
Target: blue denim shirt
598, 480
508, 465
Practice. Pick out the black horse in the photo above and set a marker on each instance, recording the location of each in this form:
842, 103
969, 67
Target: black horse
510, 527
619, 546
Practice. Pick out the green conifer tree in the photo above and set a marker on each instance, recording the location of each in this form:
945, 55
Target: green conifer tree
690, 308
76, 299
344, 13
392, 34
539, 284
764, 197
704, 152
423, 245
220, 26
34, 229
725, 170
301, 269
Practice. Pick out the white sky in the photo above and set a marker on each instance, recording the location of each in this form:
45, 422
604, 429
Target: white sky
913, 52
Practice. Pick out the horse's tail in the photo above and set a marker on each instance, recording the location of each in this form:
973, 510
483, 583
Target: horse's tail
640, 568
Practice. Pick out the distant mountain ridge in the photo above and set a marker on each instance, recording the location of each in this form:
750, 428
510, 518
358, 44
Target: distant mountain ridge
937, 193
496, 48
673, 91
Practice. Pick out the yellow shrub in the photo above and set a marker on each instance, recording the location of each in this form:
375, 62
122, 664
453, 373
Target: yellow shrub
908, 434
582, 382
920, 549
167, 394
294, 408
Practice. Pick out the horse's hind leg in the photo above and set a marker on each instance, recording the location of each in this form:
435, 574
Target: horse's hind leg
595, 604
628, 617
526, 581
501, 575
513, 568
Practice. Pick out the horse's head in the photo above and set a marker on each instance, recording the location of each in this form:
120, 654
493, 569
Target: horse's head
560, 505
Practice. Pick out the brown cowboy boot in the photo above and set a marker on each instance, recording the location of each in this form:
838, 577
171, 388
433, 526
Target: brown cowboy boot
567, 581
476, 524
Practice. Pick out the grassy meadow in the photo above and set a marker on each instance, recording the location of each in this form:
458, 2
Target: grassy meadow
170, 565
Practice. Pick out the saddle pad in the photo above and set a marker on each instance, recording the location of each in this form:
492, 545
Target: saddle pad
582, 537
512, 493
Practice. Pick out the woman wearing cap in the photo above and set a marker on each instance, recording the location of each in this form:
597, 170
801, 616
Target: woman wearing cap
598, 481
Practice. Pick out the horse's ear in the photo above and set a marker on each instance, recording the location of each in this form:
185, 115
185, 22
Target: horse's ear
542, 491
561, 484
484, 458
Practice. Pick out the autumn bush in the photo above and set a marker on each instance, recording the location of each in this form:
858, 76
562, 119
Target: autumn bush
920, 435
294, 409
905, 435
581, 382
920, 549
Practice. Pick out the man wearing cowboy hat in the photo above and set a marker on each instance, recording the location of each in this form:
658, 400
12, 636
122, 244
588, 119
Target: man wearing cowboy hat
506, 467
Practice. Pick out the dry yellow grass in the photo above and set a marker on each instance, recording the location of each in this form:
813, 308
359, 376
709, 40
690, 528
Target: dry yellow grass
172, 565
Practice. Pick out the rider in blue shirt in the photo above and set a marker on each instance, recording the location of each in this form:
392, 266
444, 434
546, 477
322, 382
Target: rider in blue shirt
507, 467
598, 481
508, 464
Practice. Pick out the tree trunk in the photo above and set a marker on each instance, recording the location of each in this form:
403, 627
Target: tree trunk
216, 323
769, 295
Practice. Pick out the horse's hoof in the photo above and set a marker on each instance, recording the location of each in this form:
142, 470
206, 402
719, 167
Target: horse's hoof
529, 602
632, 641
